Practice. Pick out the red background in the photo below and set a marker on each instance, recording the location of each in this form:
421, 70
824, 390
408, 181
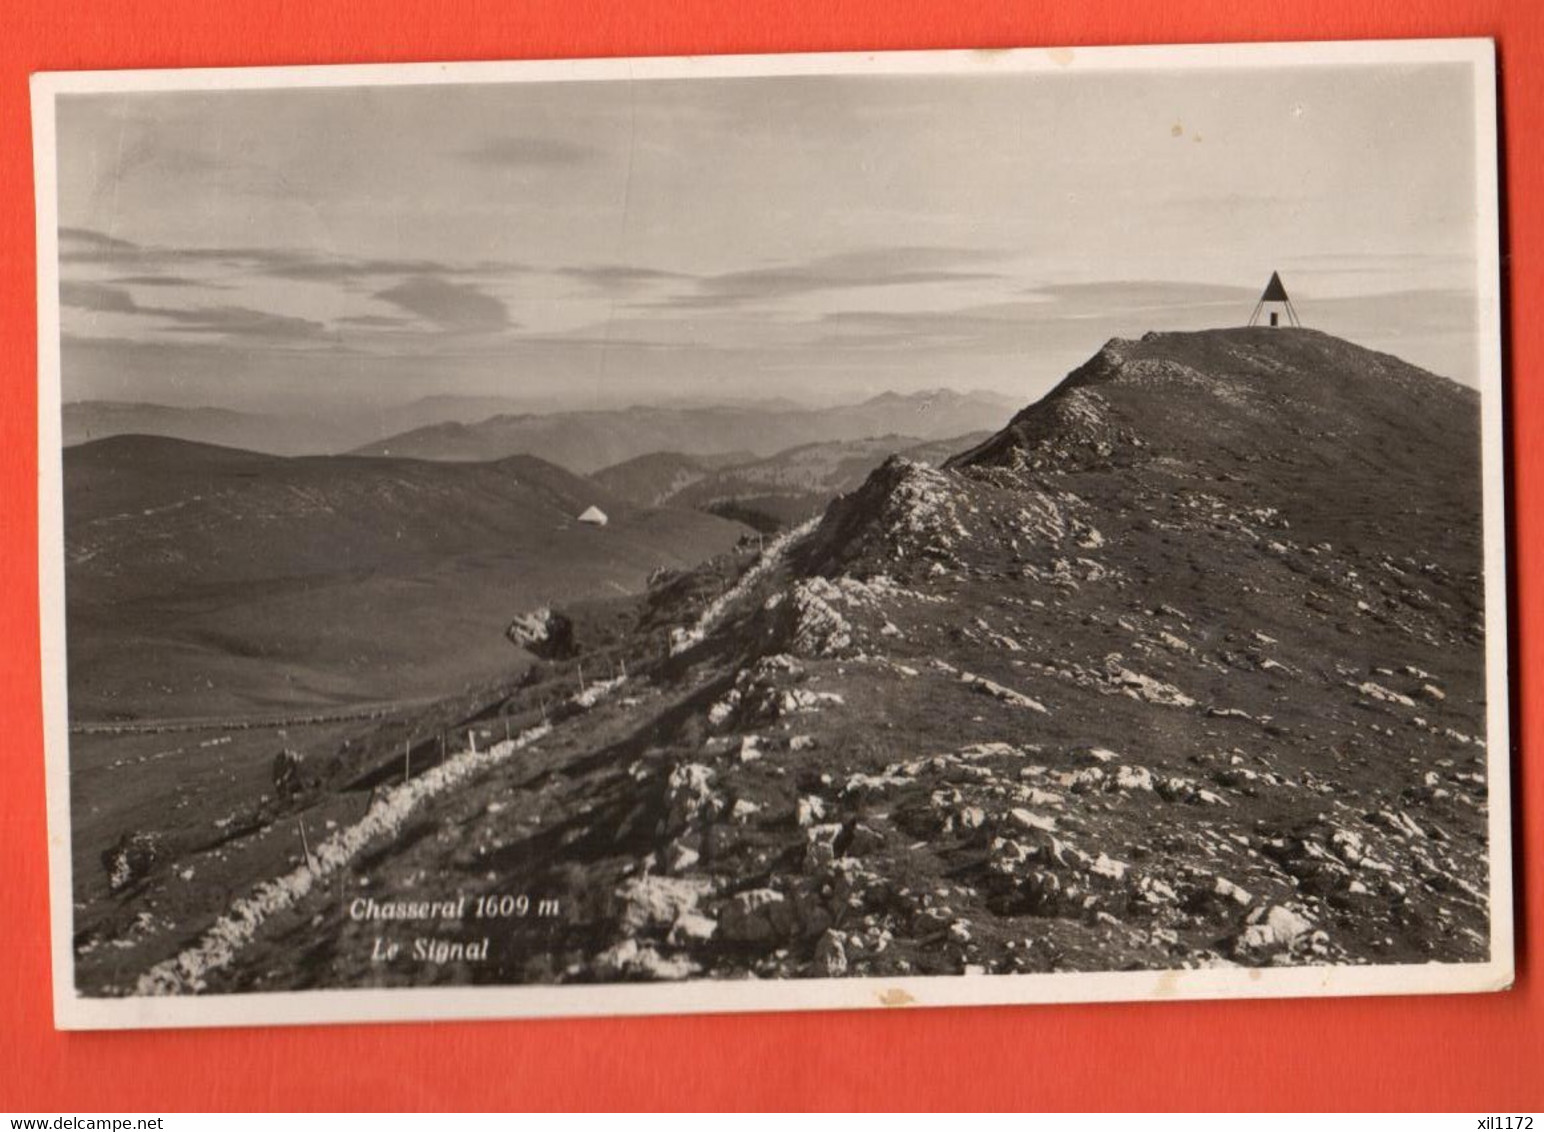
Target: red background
1483, 1053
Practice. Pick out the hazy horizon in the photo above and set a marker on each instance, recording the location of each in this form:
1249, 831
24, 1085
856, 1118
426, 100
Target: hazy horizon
556, 404
817, 239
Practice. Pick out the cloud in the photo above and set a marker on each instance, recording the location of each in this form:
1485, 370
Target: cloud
239, 321
166, 281
90, 246
85, 246
1138, 295
528, 153
460, 307
302, 268
1119, 304
376, 321
877, 267
619, 276
1434, 327
235, 321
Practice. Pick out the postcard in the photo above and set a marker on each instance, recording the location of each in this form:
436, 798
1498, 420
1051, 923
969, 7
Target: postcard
772, 533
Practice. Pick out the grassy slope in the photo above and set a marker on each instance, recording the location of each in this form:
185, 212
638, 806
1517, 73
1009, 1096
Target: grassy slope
651, 480
204, 580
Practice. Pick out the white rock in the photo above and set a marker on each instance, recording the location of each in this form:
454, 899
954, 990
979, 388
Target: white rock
692, 927
658, 900
720, 712
810, 809
997, 691
820, 843
679, 857
1375, 691
1133, 778
831, 954
631, 958
1229, 891
1030, 820
1109, 868
968, 817
1274, 929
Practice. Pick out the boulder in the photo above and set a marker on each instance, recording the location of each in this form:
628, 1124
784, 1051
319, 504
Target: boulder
758, 916
810, 810
657, 901
631, 959
820, 844
688, 796
831, 954
1028, 819
679, 856
1271, 930
130, 860
692, 927
544, 633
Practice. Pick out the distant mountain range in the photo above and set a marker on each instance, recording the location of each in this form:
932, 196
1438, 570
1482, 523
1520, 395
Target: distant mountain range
87, 421
458, 428
272, 433
590, 441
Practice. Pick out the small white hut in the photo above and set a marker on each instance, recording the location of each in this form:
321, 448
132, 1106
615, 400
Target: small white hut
594, 516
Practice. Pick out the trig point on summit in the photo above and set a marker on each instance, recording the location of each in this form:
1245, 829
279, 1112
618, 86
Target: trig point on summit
1274, 303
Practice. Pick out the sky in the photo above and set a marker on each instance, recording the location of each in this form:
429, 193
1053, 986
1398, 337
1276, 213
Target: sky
815, 238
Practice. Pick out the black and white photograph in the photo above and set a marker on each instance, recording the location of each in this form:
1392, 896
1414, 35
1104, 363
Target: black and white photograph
776, 532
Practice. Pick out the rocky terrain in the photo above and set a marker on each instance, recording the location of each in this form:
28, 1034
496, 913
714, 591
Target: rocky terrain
1183, 667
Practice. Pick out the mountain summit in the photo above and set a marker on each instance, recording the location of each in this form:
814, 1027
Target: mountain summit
1355, 445
1272, 388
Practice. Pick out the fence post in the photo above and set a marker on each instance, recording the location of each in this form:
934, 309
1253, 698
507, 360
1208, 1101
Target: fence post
305, 845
